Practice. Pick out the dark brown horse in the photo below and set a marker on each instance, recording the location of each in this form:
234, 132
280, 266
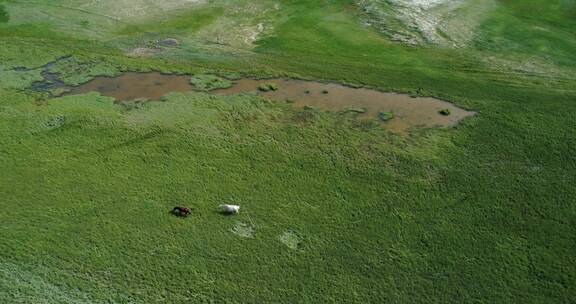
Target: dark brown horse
181, 211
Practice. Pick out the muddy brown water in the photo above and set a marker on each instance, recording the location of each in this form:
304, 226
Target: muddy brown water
130, 86
409, 112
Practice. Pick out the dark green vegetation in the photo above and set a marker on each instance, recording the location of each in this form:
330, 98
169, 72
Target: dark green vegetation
333, 209
386, 116
267, 87
356, 110
209, 82
4, 17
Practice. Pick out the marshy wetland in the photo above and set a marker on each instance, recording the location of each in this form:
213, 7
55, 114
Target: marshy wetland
131, 86
336, 208
406, 112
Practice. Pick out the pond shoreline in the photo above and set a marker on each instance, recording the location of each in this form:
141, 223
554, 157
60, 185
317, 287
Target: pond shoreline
397, 111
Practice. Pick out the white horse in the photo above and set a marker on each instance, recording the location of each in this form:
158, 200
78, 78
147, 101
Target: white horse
229, 209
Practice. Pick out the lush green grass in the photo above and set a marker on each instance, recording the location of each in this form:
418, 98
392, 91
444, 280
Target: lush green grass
342, 210
4, 16
189, 22
206, 82
534, 28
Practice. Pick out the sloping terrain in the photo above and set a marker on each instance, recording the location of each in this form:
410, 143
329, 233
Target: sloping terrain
135, 23
450, 23
335, 208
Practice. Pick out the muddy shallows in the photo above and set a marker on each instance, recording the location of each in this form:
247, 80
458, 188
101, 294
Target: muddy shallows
130, 86
398, 112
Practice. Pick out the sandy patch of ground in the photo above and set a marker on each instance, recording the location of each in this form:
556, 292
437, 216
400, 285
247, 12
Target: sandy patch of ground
143, 52
450, 23
291, 239
240, 26
244, 230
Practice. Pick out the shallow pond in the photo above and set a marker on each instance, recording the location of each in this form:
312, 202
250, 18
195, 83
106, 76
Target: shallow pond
130, 86
408, 112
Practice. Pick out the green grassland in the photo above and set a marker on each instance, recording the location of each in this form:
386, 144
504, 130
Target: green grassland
334, 209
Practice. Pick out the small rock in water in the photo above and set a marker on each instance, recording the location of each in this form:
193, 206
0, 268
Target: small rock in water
445, 112
386, 116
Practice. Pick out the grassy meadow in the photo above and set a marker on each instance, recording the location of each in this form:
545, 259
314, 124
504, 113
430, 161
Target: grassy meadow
333, 209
